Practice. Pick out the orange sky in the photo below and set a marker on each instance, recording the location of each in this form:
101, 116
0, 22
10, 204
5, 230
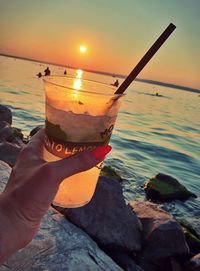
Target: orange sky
117, 34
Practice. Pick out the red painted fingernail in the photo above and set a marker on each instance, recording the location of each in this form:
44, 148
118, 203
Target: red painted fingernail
100, 152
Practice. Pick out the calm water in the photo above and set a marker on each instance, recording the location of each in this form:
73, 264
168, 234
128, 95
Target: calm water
152, 134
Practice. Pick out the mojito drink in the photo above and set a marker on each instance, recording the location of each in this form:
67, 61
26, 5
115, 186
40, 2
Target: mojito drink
77, 120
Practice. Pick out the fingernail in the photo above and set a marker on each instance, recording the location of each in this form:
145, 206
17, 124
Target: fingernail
101, 151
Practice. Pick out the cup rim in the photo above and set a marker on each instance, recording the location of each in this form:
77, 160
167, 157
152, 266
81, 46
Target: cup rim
46, 80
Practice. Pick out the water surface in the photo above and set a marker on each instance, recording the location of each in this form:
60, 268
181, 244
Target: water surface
153, 133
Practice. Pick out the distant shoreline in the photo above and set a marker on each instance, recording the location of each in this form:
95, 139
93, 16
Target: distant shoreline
110, 74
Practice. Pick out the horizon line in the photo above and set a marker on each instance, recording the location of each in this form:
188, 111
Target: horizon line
165, 84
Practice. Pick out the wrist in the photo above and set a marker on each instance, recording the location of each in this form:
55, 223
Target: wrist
14, 232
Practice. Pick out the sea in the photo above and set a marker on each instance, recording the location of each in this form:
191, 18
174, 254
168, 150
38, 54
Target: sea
153, 133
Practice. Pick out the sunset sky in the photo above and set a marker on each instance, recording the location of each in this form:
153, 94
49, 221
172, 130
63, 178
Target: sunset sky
116, 34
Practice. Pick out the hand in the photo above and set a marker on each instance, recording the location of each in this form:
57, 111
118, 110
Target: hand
32, 187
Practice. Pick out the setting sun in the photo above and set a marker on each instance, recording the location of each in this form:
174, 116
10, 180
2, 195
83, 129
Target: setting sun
82, 49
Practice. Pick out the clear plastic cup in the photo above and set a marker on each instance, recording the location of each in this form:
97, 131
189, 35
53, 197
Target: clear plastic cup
80, 115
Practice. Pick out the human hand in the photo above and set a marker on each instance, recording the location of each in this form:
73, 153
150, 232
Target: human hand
32, 187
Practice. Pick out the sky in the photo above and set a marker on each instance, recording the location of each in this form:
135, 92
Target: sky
116, 33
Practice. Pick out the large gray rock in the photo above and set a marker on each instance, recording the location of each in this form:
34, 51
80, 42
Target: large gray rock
107, 219
59, 245
162, 235
9, 152
5, 114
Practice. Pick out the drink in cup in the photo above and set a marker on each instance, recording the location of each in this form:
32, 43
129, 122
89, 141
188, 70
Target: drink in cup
80, 115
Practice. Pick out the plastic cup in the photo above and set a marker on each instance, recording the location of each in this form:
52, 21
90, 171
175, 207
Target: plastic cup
80, 115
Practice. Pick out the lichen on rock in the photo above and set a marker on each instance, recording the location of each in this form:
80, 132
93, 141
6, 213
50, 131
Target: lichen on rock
163, 187
108, 171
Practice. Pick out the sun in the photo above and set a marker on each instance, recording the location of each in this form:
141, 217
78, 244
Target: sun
82, 49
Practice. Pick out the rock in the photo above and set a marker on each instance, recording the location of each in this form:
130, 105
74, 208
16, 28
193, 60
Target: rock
193, 264
35, 130
166, 188
173, 265
17, 133
124, 260
162, 235
191, 237
4, 268
26, 140
148, 266
5, 171
5, 131
170, 264
107, 219
9, 152
109, 172
59, 245
192, 241
11, 134
5, 114
17, 137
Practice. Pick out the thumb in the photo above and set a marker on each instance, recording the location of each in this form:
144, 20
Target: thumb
78, 162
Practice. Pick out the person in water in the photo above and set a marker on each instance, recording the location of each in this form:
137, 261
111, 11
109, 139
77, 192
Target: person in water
158, 95
47, 71
31, 188
116, 84
65, 72
39, 75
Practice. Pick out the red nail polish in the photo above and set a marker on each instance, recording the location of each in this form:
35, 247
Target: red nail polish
100, 152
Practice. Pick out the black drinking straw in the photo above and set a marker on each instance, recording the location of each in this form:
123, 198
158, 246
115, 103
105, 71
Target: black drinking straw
149, 54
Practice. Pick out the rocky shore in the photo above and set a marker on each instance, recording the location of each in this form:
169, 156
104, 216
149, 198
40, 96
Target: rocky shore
106, 234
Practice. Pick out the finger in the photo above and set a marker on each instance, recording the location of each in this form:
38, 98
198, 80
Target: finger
79, 162
36, 143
